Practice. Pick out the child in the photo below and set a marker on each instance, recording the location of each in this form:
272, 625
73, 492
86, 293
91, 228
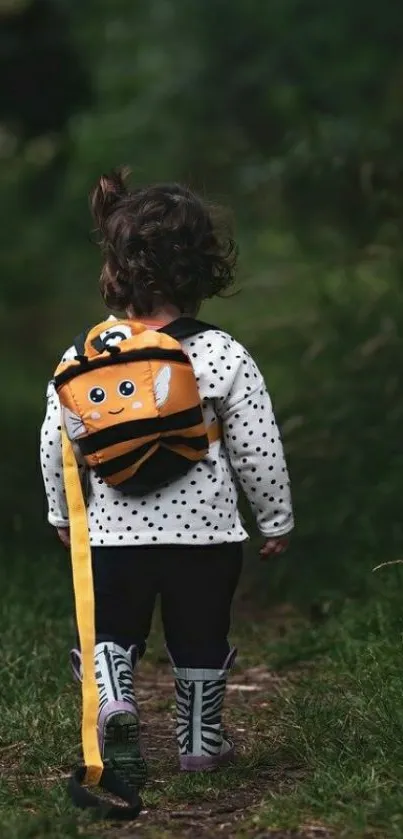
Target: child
163, 255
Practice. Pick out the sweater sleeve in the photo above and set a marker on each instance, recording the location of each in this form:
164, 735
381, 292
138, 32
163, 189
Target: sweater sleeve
51, 460
254, 447
51, 457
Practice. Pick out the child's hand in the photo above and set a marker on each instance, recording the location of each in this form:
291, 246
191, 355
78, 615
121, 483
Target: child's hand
274, 546
64, 535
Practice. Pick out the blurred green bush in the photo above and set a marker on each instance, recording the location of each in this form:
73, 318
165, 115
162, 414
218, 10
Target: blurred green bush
290, 113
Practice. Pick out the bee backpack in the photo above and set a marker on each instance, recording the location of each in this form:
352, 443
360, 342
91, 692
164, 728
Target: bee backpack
131, 412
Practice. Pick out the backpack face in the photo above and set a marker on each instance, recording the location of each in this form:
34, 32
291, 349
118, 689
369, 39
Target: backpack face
129, 397
117, 394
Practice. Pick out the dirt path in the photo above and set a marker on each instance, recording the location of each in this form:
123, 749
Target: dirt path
220, 805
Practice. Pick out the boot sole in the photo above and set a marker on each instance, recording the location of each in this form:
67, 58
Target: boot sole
200, 764
204, 763
121, 751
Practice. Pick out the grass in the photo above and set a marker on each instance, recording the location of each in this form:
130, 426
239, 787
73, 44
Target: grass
339, 723
344, 723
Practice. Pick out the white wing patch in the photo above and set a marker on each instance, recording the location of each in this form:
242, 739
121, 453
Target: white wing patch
73, 424
161, 385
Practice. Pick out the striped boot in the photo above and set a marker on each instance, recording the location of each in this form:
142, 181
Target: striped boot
203, 745
118, 718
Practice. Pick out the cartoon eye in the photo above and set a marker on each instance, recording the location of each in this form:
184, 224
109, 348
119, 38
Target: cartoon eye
97, 395
114, 335
126, 388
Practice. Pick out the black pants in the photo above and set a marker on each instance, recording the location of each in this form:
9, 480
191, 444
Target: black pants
196, 584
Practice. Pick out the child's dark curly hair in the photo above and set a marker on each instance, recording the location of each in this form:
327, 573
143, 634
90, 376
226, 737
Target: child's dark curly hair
160, 245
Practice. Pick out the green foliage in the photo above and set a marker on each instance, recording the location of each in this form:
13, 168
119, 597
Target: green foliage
342, 419
37, 60
291, 112
286, 108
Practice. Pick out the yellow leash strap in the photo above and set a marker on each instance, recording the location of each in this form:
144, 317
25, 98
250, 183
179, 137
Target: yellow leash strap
85, 610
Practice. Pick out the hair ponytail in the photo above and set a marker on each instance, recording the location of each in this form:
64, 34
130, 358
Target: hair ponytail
109, 190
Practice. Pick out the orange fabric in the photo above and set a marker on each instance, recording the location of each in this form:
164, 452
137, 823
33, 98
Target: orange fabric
117, 394
103, 455
188, 453
214, 432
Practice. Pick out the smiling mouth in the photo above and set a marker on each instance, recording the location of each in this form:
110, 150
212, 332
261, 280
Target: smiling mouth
116, 412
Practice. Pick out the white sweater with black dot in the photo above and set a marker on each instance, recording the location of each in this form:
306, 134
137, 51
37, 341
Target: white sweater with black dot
202, 507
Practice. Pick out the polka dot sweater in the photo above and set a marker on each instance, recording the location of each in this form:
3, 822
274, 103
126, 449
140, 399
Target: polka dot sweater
202, 507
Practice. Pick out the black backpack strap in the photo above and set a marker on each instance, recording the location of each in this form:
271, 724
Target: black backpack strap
97, 343
79, 342
181, 328
185, 327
